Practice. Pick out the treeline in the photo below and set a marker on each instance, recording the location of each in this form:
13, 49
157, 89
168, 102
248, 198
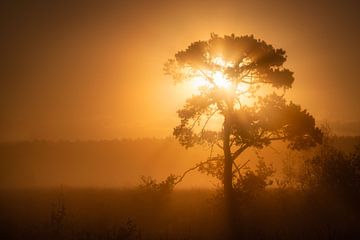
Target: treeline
113, 163
119, 163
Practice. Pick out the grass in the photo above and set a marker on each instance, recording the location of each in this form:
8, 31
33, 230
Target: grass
183, 214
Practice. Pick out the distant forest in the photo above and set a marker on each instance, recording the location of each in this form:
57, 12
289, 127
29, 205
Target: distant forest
116, 163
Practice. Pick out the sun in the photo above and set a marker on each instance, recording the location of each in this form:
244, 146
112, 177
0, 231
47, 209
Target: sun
221, 81
218, 78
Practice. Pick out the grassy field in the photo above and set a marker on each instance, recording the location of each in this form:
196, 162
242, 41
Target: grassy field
183, 214
317, 199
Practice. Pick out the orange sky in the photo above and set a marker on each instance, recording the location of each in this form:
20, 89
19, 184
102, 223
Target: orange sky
93, 70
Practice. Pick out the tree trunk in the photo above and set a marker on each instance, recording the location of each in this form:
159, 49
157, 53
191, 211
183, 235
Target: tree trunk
228, 188
230, 210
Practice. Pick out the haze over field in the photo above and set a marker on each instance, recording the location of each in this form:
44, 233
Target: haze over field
120, 164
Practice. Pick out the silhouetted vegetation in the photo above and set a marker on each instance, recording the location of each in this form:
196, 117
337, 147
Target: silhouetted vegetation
149, 184
333, 171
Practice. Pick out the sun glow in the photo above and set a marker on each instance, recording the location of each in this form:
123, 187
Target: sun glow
218, 78
221, 62
242, 88
198, 82
221, 81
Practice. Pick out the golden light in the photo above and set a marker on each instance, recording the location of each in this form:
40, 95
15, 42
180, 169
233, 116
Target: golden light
221, 81
218, 77
221, 62
242, 87
198, 82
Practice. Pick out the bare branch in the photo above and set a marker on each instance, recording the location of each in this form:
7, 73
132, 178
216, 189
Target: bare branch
242, 166
247, 82
194, 123
232, 142
275, 150
193, 168
207, 120
207, 76
237, 168
239, 151
276, 138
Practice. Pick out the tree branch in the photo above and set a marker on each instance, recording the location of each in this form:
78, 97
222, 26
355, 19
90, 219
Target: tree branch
276, 138
232, 142
196, 120
192, 169
237, 168
207, 120
242, 166
207, 76
239, 151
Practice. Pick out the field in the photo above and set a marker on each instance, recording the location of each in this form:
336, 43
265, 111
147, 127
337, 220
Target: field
65, 213
312, 195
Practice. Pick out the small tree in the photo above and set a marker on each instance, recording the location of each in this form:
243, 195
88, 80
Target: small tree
232, 73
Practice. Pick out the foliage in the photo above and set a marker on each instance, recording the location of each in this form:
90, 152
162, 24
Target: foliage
333, 170
243, 56
150, 184
125, 231
58, 216
255, 181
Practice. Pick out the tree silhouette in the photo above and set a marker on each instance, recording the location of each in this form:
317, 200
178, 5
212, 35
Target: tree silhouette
236, 74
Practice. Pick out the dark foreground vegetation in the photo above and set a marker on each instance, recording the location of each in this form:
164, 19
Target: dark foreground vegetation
316, 199
195, 214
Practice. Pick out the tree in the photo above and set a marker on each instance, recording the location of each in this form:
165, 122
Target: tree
332, 170
235, 76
